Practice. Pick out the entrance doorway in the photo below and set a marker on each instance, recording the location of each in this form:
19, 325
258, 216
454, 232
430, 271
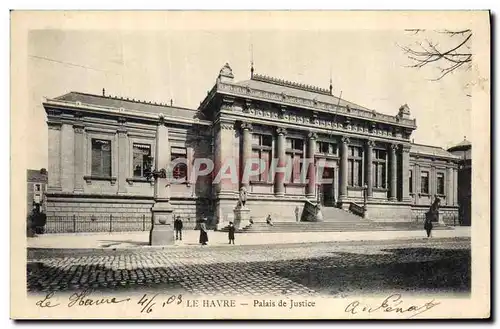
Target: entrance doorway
327, 188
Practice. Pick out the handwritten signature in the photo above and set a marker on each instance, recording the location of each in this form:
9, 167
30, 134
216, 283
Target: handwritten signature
392, 304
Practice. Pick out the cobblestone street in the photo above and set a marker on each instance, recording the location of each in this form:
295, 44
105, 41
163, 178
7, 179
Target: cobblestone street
332, 268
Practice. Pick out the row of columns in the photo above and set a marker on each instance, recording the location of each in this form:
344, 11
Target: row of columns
279, 187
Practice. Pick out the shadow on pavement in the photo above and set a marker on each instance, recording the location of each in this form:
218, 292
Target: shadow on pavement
337, 274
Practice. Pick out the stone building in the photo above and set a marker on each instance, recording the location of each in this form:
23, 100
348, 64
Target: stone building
100, 147
36, 187
464, 151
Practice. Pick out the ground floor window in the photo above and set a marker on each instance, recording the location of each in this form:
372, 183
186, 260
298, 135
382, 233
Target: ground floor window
101, 157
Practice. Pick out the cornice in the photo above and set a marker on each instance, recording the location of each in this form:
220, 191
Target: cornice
288, 100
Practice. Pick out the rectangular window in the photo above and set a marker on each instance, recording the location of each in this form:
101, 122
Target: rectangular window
141, 159
101, 157
355, 166
294, 153
440, 183
179, 155
379, 168
261, 149
424, 185
326, 148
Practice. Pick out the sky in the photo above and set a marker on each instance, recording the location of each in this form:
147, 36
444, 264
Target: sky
367, 66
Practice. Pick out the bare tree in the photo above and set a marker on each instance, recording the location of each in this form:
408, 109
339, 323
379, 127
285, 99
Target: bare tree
455, 55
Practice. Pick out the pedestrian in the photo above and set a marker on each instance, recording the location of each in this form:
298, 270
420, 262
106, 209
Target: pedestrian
178, 228
297, 213
203, 232
230, 232
428, 223
269, 220
432, 216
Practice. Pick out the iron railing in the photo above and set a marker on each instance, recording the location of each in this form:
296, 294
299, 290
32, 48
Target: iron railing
109, 223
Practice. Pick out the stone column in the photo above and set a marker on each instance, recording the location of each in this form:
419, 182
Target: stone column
123, 165
279, 181
449, 186
54, 177
455, 187
162, 212
225, 158
344, 149
246, 152
369, 168
393, 173
405, 158
311, 169
67, 157
416, 180
79, 157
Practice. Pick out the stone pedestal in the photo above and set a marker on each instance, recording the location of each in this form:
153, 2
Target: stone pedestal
162, 232
241, 217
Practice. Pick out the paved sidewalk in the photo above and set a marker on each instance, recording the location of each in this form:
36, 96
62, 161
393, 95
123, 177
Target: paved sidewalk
190, 238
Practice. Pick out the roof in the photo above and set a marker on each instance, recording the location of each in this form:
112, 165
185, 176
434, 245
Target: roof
130, 104
294, 90
463, 145
431, 151
38, 176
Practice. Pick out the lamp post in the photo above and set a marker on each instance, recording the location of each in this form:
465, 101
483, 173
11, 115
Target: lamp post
161, 232
365, 196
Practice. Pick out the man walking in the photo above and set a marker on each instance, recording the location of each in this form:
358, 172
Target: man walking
178, 228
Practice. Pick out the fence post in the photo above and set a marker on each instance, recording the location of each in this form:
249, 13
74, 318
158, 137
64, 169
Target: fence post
110, 223
143, 222
74, 223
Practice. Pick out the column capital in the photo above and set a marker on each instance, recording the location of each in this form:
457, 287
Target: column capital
281, 131
370, 143
405, 148
161, 120
246, 126
79, 128
393, 147
226, 125
345, 140
312, 135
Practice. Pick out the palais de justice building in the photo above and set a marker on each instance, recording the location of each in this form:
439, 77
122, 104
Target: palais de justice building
100, 147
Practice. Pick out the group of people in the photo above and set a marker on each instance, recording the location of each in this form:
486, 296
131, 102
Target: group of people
203, 240
36, 221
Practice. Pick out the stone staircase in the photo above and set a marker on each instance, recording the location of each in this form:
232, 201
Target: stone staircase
334, 220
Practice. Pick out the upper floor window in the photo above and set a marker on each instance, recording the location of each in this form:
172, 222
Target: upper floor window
261, 149
440, 183
101, 157
424, 182
379, 168
294, 153
141, 159
326, 148
355, 166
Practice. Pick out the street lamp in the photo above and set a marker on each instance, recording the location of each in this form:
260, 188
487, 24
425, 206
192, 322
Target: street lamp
365, 195
153, 174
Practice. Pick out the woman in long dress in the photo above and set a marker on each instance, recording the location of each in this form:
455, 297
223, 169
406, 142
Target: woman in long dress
203, 232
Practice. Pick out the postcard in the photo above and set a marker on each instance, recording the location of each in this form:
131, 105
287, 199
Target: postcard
250, 165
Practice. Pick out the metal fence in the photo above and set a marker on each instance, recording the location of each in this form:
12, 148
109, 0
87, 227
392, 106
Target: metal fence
110, 223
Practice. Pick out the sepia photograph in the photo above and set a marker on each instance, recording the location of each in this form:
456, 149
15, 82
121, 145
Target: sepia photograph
250, 165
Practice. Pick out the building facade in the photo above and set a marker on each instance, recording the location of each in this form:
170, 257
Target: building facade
464, 151
100, 147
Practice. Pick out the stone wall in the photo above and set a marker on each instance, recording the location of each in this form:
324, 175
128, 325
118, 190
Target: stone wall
389, 212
